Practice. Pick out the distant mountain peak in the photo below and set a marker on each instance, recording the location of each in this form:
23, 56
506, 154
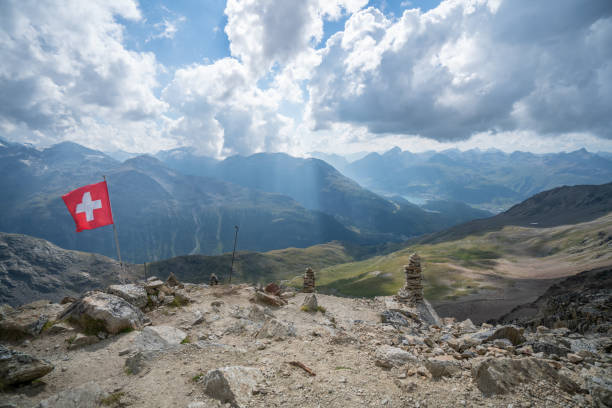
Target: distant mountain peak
394, 151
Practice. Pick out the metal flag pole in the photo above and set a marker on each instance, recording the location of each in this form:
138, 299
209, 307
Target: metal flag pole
233, 254
122, 278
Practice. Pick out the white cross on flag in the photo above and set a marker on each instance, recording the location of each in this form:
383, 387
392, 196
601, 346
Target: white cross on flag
89, 206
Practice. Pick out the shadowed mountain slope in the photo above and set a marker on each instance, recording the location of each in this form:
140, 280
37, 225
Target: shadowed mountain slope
33, 268
159, 212
559, 206
318, 186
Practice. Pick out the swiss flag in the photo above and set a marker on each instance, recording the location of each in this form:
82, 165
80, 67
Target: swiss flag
89, 206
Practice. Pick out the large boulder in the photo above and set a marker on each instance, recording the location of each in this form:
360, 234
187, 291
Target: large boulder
276, 329
17, 367
444, 366
158, 338
88, 395
500, 375
234, 385
28, 320
389, 356
97, 311
133, 294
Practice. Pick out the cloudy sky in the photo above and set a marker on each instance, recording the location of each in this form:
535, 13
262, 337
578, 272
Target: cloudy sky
343, 76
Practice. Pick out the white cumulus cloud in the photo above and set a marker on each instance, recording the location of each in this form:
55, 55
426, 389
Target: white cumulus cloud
470, 66
65, 74
221, 110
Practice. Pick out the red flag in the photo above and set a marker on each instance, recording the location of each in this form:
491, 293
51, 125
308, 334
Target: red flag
89, 206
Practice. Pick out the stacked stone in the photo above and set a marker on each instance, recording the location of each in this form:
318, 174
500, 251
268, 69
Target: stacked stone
412, 292
309, 281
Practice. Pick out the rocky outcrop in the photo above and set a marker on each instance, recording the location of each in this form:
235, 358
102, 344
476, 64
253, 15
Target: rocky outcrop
581, 303
234, 385
99, 311
501, 375
17, 367
33, 268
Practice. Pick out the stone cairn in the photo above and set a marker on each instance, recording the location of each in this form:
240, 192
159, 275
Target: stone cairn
412, 292
309, 281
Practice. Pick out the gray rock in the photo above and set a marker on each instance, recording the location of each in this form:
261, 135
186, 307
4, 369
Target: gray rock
444, 366
17, 367
258, 313
502, 343
601, 391
5, 310
276, 329
82, 340
389, 356
152, 286
467, 326
574, 358
181, 297
28, 320
549, 348
456, 344
427, 313
133, 294
97, 311
310, 303
60, 328
87, 395
512, 333
198, 318
399, 318
232, 384
269, 299
500, 375
197, 404
138, 364
158, 338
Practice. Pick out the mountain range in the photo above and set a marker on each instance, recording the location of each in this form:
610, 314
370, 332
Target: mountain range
506, 252
318, 186
162, 212
490, 179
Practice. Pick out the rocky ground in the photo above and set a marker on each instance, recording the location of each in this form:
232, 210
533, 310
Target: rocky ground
174, 345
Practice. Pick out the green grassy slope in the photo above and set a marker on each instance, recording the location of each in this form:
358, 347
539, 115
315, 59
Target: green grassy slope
254, 266
456, 268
